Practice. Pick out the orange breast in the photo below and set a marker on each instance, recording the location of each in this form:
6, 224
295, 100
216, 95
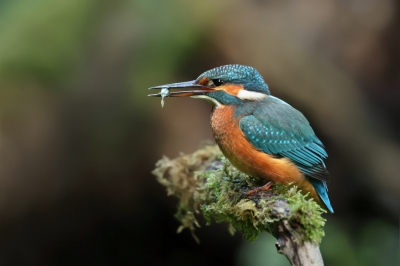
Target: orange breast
244, 156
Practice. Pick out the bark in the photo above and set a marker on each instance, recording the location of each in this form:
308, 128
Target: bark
298, 253
289, 234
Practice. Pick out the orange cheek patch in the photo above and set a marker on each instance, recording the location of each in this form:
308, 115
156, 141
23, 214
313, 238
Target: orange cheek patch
204, 81
231, 89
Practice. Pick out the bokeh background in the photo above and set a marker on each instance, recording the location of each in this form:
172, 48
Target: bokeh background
79, 136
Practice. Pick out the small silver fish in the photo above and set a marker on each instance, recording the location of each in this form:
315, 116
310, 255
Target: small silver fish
164, 93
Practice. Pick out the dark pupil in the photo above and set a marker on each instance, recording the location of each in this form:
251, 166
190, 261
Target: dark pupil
218, 82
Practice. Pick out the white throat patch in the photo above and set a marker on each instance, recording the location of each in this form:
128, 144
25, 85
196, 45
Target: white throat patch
208, 99
251, 95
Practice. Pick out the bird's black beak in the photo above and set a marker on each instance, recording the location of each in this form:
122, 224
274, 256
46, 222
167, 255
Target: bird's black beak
195, 89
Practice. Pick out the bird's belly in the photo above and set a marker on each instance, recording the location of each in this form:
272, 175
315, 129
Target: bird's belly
244, 156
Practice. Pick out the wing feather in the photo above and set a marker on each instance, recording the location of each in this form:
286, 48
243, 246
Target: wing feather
278, 129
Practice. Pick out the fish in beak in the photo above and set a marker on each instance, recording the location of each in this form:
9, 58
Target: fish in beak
190, 88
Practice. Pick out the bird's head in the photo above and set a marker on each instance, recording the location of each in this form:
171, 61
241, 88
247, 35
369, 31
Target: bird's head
225, 85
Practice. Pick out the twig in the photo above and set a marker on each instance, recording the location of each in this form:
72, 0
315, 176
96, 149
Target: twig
206, 183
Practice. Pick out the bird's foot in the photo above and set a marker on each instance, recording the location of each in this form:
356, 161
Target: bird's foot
265, 187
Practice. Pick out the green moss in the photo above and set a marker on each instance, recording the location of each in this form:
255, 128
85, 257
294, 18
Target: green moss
218, 195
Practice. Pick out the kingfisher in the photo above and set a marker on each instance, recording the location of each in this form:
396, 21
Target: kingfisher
261, 135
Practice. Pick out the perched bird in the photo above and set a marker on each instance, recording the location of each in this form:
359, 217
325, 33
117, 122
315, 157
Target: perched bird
258, 133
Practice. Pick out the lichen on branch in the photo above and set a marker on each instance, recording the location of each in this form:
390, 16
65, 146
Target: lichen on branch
207, 184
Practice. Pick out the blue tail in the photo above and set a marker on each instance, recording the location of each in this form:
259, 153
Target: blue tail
322, 190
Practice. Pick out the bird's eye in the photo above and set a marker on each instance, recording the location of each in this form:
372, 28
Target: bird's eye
218, 82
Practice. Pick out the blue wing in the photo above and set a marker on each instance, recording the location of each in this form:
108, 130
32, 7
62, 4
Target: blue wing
276, 128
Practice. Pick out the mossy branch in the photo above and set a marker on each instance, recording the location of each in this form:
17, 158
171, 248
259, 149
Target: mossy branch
207, 184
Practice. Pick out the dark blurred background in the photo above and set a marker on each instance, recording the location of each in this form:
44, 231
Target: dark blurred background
79, 136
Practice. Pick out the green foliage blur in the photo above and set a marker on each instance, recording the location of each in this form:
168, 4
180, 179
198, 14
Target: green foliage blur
376, 243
